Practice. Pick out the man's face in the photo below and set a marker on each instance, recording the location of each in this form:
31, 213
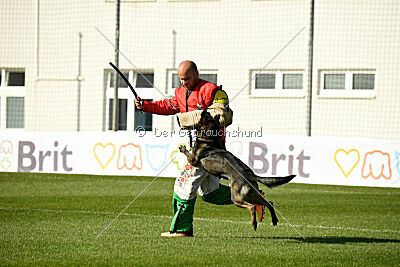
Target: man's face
189, 79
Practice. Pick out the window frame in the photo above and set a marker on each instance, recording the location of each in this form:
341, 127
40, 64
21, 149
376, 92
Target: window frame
278, 91
170, 91
348, 91
10, 91
125, 93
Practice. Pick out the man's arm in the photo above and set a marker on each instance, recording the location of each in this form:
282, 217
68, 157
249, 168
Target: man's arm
161, 107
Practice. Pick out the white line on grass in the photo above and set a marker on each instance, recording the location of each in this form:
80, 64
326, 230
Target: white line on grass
133, 200
197, 219
339, 192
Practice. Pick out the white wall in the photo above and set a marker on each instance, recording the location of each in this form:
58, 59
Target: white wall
358, 35
231, 36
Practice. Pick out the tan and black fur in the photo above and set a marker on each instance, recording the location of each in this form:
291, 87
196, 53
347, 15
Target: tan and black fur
209, 153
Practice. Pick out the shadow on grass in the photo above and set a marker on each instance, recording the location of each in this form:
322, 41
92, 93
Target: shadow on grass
341, 240
324, 240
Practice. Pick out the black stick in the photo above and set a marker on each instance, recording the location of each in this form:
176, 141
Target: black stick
125, 79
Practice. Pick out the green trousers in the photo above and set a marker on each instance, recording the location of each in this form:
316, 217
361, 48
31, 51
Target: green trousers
184, 209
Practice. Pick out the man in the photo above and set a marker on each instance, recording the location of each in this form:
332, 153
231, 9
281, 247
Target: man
193, 94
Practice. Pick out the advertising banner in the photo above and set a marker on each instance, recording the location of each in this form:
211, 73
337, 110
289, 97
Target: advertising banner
315, 160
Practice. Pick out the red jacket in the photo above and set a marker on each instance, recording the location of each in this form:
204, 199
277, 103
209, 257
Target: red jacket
203, 95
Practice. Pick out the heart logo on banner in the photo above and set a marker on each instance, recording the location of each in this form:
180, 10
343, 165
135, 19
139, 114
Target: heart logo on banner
347, 160
104, 153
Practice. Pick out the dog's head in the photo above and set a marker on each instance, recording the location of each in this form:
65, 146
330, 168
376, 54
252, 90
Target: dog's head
208, 126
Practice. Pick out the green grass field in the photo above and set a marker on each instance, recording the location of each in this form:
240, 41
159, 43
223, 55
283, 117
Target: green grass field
49, 219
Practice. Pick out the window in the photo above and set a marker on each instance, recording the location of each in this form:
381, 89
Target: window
363, 81
334, 81
145, 80
265, 81
347, 83
121, 82
15, 112
16, 78
12, 98
277, 83
143, 121
174, 82
127, 117
292, 81
122, 112
213, 78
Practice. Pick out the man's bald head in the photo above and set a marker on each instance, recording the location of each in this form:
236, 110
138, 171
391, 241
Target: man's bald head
187, 65
188, 74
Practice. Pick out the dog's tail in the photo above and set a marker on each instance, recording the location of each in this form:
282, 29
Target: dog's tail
275, 181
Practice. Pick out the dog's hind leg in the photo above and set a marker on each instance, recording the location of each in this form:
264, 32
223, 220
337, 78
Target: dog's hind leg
260, 200
252, 210
237, 196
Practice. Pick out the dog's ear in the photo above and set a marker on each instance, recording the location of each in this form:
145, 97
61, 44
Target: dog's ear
217, 117
203, 117
204, 113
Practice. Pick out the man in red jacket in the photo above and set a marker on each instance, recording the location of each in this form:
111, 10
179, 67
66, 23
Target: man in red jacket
193, 94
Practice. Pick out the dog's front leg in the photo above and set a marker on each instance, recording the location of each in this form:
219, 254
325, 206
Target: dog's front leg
190, 157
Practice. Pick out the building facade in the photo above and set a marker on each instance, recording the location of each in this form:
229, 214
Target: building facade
340, 79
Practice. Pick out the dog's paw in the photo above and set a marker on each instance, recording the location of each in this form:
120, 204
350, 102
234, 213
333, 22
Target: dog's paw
182, 148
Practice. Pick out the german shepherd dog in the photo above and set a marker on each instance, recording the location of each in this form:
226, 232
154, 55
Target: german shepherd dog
209, 153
